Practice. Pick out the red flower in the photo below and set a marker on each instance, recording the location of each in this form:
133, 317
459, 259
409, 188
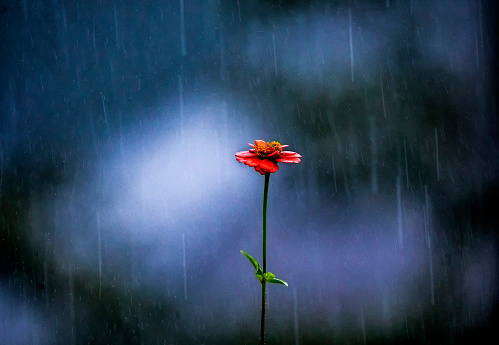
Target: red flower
264, 156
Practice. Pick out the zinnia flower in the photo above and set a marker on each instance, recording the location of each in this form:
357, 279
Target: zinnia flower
264, 156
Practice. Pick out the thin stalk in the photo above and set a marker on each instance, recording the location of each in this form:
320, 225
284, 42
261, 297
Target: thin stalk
262, 324
265, 194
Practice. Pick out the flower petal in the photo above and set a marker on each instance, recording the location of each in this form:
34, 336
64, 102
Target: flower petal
253, 161
268, 165
288, 160
289, 157
290, 153
245, 154
260, 170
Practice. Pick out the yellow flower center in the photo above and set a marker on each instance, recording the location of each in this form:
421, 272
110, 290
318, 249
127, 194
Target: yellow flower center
265, 149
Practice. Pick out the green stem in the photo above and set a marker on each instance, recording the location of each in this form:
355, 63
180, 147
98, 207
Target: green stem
262, 325
265, 194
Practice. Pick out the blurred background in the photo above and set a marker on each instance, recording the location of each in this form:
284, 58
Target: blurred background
123, 209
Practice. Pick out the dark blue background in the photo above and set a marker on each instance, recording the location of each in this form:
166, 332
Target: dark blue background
123, 209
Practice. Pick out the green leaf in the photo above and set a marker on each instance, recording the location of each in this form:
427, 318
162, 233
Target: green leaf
252, 260
259, 275
277, 281
270, 277
256, 265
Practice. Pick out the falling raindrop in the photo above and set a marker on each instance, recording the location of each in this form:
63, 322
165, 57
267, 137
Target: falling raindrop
437, 158
406, 166
239, 10
116, 27
295, 316
334, 175
103, 98
374, 154
184, 266
351, 42
99, 253
362, 323
480, 22
120, 124
275, 57
223, 68
399, 212
382, 92
181, 105
428, 237
46, 274
182, 29
72, 315
477, 54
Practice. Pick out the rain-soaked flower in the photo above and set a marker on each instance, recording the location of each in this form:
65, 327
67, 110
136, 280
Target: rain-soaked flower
264, 156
